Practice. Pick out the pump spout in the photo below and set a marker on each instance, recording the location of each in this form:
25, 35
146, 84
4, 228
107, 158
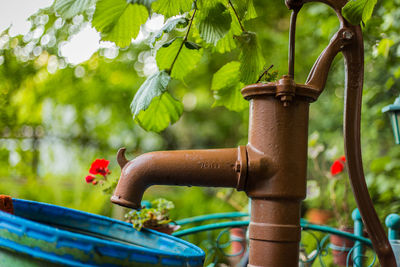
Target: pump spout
211, 168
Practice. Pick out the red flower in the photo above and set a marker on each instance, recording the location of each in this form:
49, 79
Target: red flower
89, 179
94, 182
338, 165
99, 166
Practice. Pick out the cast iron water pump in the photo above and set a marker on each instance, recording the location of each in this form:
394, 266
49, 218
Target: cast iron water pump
272, 168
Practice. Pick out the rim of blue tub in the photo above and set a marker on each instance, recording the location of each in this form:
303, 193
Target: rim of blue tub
92, 236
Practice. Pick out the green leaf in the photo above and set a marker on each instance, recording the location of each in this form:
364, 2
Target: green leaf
251, 12
228, 43
245, 9
70, 8
169, 26
227, 76
170, 8
168, 43
163, 111
191, 45
357, 11
119, 21
213, 22
154, 86
226, 86
231, 98
184, 64
251, 58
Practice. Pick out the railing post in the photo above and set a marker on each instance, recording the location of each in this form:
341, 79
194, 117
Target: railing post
358, 231
393, 223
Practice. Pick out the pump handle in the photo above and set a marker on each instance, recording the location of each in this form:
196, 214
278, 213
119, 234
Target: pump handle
349, 41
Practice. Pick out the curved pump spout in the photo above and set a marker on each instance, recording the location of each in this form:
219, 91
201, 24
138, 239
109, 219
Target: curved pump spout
211, 168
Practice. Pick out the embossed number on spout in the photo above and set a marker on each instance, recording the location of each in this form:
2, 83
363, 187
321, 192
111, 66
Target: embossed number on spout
209, 165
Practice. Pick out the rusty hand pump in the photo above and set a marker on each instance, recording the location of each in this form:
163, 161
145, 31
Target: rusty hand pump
272, 168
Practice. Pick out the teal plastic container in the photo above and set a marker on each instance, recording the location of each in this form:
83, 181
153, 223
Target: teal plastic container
40, 234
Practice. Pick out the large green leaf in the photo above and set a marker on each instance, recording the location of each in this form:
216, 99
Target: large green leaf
251, 58
169, 26
357, 11
231, 98
228, 43
163, 111
70, 8
245, 9
170, 8
155, 85
226, 86
184, 64
227, 76
119, 21
213, 22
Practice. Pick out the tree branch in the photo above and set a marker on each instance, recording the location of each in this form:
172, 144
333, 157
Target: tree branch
184, 40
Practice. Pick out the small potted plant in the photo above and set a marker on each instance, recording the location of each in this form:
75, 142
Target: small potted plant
342, 201
156, 217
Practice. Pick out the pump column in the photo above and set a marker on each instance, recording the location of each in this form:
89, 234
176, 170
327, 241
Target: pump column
278, 131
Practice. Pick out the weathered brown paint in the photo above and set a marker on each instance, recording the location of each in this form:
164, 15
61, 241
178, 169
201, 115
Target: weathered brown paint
271, 169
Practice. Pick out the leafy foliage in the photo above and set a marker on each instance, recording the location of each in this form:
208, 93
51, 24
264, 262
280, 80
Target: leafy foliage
154, 86
178, 44
245, 9
226, 86
146, 3
119, 21
184, 59
228, 42
251, 58
153, 107
214, 22
384, 47
163, 111
169, 26
357, 11
171, 8
156, 215
70, 8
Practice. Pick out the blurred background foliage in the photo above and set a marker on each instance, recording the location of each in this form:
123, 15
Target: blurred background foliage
57, 117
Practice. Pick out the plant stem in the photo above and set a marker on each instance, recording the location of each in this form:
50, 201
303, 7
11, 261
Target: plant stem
184, 40
237, 16
264, 73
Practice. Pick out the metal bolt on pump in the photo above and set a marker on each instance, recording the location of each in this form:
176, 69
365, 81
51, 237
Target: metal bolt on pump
272, 167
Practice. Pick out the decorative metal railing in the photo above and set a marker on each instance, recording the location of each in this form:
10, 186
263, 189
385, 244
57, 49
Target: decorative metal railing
321, 245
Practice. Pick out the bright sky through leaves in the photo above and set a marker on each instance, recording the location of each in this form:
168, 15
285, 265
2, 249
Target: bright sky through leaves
15, 13
81, 46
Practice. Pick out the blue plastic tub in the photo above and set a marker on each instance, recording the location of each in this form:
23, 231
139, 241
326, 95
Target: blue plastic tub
41, 234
